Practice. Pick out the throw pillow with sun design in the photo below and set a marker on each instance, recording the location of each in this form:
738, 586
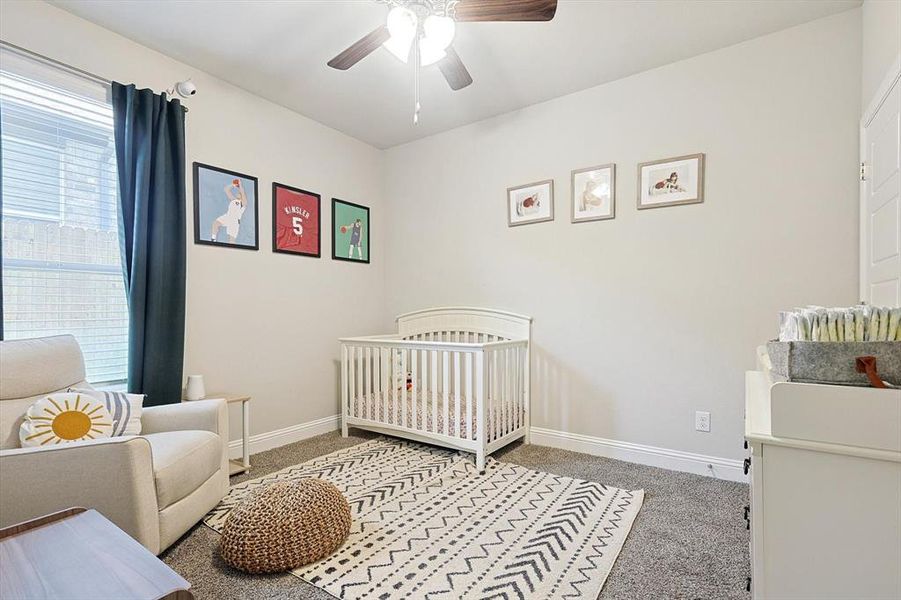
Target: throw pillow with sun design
63, 418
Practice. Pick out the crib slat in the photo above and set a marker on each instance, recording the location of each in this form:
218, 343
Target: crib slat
395, 409
414, 355
501, 383
446, 391
344, 396
403, 386
496, 396
491, 431
383, 387
367, 382
514, 423
511, 385
505, 392
469, 394
351, 381
481, 396
508, 381
511, 401
522, 386
360, 381
511, 406
422, 389
376, 375
457, 413
516, 388
433, 355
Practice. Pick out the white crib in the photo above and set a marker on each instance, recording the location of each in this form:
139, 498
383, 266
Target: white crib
455, 377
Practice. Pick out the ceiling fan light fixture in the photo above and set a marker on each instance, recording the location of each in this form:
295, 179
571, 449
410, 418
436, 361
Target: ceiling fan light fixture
429, 52
402, 25
439, 30
438, 34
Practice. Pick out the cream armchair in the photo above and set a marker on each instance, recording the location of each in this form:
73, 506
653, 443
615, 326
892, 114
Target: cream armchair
154, 486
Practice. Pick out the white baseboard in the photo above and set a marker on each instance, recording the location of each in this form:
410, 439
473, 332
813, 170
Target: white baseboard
674, 460
273, 439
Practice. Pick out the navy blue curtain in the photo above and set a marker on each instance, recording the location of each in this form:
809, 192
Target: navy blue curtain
150, 152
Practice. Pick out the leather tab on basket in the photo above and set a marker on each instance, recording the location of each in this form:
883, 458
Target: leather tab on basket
867, 364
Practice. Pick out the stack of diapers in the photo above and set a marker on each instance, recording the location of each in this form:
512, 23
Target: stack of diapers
861, 323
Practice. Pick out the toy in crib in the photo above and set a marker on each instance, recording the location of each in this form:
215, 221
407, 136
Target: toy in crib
398, 376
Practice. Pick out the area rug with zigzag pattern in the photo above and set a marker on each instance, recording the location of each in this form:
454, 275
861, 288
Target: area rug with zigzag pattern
426, 524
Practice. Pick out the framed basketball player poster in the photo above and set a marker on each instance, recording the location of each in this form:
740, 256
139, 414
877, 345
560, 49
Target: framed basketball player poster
295, 221
350, 231
226, 208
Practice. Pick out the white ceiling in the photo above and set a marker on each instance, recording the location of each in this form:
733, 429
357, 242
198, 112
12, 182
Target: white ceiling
281, 48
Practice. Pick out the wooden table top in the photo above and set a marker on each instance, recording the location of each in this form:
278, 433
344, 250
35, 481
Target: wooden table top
229, 398
78, 553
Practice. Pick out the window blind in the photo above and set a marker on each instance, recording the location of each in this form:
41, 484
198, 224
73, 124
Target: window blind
60, 247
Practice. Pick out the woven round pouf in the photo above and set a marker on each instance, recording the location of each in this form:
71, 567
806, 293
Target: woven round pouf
285, 525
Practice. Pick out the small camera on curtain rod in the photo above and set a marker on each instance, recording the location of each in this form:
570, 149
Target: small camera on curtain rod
185, 89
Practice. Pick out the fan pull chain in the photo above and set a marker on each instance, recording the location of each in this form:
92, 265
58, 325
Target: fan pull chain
416, 104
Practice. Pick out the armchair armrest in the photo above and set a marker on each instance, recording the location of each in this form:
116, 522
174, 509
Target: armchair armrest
205, 415
113, 476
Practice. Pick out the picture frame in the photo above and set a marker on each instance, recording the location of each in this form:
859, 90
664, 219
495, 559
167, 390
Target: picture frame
222, 200
296, 221
530, 203
350, 228
593, 193
671, 182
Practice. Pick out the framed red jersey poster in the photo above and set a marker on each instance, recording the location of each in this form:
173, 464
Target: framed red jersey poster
295, 221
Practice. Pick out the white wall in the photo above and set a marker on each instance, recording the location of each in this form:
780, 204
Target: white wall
257, 322
881, 44
644, 319
639, 321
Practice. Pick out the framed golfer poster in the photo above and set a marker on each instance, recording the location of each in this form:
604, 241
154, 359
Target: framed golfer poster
226, 210
295, 221
350, 231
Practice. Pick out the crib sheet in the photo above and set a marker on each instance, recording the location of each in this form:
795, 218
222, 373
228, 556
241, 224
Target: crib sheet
367, 406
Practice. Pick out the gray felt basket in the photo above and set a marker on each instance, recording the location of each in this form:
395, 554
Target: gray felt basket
833, 362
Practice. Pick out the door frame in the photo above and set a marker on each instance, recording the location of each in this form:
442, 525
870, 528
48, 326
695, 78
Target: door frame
891, 79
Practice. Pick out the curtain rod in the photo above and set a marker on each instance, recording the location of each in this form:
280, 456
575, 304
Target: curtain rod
75, 70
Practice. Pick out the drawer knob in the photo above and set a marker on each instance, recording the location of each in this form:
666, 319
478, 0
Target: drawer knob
747, 465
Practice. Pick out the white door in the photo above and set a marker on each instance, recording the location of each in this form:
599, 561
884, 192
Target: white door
880, 207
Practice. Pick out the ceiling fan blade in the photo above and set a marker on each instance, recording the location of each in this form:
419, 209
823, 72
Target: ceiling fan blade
360, 49
453, 70
504, 10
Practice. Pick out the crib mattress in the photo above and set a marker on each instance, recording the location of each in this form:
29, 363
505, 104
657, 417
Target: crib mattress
367, 406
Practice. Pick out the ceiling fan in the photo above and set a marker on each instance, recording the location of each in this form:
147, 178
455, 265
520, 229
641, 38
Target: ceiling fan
431, 24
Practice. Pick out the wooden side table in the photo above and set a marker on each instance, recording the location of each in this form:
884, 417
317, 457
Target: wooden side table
78, 553
243, 465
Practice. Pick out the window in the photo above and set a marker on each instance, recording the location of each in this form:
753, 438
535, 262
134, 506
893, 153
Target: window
60, 249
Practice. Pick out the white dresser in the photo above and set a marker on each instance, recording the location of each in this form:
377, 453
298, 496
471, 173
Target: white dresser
824, 467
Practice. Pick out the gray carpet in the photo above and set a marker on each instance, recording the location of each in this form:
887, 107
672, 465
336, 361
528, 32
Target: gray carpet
689, 540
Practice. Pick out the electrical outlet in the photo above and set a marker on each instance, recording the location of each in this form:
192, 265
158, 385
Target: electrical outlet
702, 421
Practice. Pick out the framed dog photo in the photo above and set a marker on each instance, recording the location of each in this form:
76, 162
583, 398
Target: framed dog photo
530, 203
226, 209
594, 193
671, 182
350, 231
295, 221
